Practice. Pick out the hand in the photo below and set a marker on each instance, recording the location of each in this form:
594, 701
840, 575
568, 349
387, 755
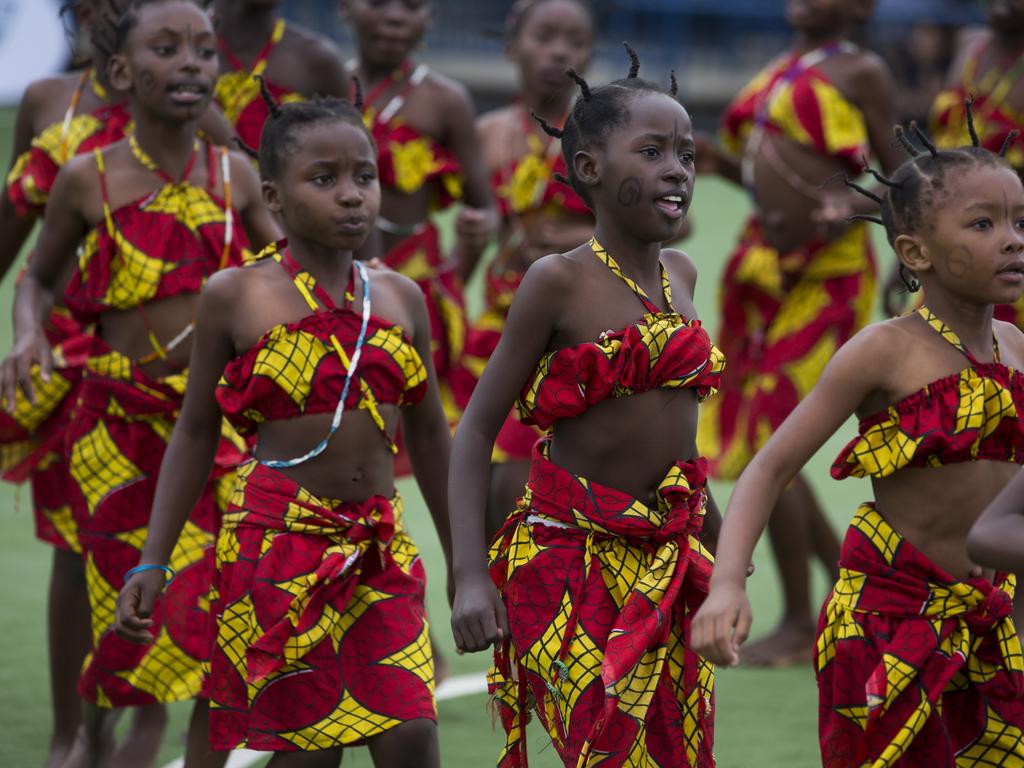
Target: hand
16, 369
721, 625
478, 615
894, 299
473, 229
708, 153
135, 605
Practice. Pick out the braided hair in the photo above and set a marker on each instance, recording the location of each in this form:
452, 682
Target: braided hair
923, 181
111, 36
599, 111
278, 137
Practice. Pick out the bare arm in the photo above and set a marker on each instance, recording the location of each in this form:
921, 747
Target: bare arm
63, 229
477, 222
189, 458
425, 428
997, 538
14, 229
859, 368
477, 616
259, 222
712, 158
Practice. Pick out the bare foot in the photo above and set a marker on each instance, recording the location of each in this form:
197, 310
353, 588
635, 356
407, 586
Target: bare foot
141, 744
58, 754
789, 644
85, 755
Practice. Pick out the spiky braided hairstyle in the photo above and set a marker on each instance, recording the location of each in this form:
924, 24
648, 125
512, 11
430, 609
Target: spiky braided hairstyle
923, 181
599, 111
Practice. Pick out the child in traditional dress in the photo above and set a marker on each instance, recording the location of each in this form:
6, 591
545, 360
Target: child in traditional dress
593, 578
801, 281
423, 125
153, 216
539, 213
255, 42
917, 658
322, 640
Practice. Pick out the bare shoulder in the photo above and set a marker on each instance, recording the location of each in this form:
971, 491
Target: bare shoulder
79, 173
882, 344
1011, 343
394, 282
679, 263
449, 93
495, 118
241, 166
323, 59
557, 271
54, 92
870, 71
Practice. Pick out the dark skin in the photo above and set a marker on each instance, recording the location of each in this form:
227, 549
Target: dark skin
387, 33
1003, 43
174, 49
171, 45
302, 62
969, 257
554, 36
571, 298
327, 196
45, 103
799, 528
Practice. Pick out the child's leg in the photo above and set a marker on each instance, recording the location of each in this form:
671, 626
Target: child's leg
328, 758
197, 749
68, 638
141, 744
413, 744
798, 529
95, 741
508, 480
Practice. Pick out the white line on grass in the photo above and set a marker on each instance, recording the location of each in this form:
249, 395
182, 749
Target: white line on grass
452, 688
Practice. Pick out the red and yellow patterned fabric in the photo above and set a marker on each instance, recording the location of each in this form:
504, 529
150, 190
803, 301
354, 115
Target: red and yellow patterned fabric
32, 437
33, 174
294, 369
116, 442
238, 91
515, 440
196, 232
783, 317
420, 258
322, 637
793, 98
600, 590
659, 351
914, 667
994, 116
972, 415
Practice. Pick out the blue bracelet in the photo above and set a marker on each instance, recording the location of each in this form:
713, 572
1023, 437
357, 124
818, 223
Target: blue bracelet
151, 567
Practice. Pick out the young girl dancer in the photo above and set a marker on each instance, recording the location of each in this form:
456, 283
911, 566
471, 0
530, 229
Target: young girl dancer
255, 42
539, 214
917, 658
155, 215
322, 639
429, 157
600, 566
797, 286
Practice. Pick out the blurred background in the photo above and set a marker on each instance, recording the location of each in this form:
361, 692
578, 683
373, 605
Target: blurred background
766, 718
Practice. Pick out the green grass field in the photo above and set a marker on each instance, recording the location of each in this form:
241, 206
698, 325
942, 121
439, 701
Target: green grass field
766, 718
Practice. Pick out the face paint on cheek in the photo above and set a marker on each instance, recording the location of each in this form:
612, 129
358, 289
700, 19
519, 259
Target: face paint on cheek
960, 261
630, 191
147, 82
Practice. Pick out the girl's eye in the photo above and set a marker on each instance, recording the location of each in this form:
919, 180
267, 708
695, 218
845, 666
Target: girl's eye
981, 224
207, 53
323, 180
1020, 223
163, 50
366, 178
688, 158
649, 152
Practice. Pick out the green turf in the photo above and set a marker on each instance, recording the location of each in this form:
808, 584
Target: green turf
765, 718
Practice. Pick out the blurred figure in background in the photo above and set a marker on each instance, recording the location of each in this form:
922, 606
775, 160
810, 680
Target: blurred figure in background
539, 214
801, 280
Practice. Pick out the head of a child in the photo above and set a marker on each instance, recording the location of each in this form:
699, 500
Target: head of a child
1005, 17
387, 31
955, 218
318, 165
629, 150
164, 55
827, 18
546, 37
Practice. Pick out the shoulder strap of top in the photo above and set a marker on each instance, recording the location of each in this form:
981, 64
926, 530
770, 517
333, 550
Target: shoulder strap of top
412, 77
69, 115
104, 196
260, 64
949, 335
606, 258
305, 283
229, 217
